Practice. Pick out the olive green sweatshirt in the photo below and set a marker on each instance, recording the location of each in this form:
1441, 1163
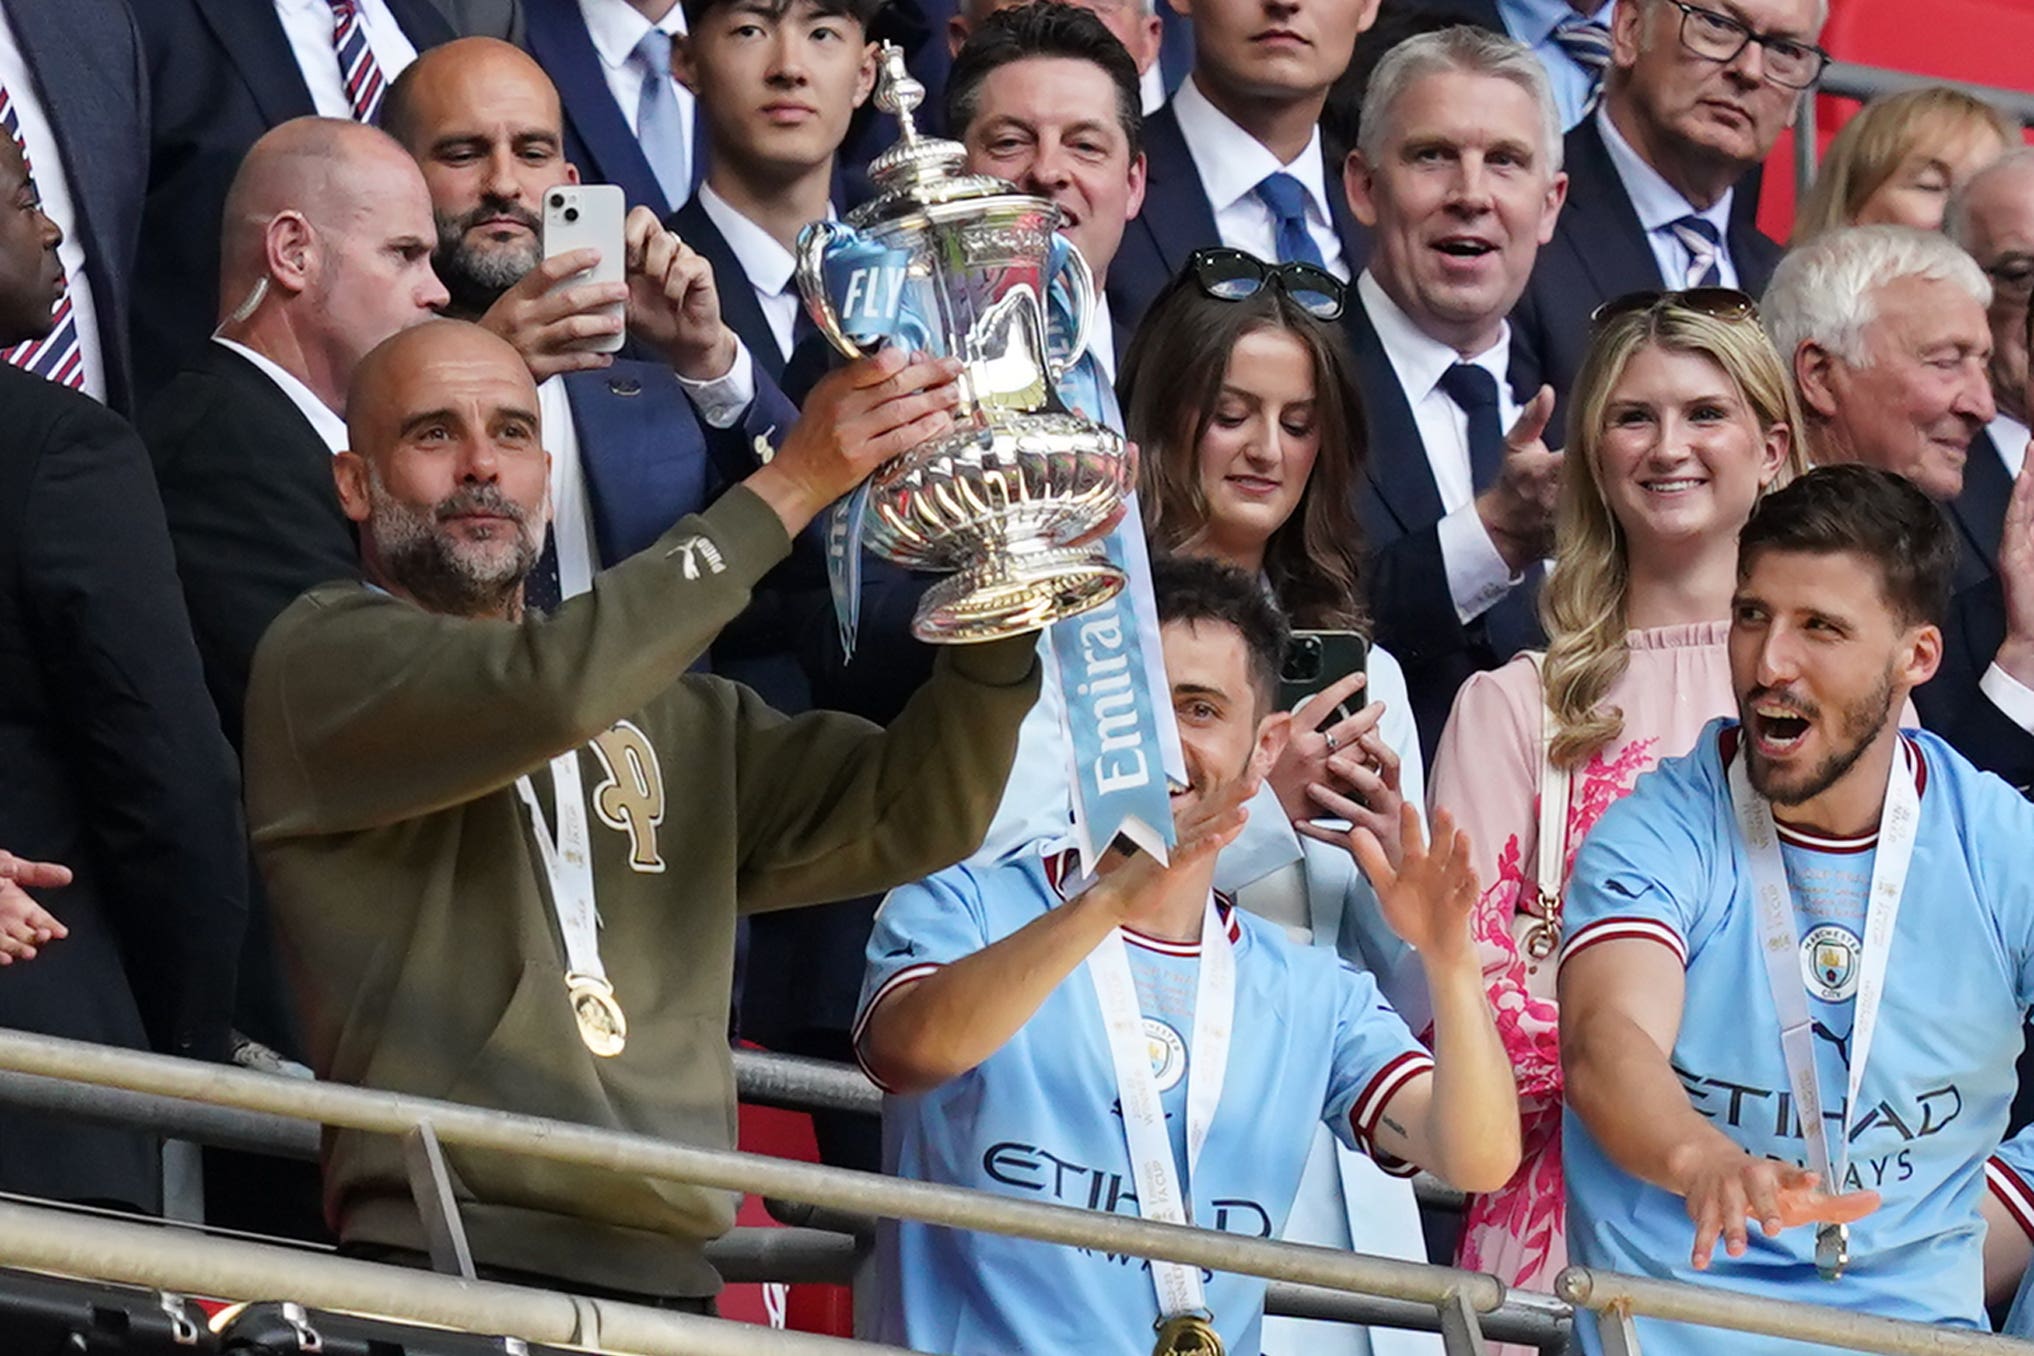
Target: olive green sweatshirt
383, 746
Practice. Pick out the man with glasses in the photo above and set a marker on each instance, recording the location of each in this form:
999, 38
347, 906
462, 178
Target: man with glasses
1458, 174
1695, 97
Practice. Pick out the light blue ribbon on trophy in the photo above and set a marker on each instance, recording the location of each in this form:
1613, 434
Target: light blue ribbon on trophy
1122, 744
866, 283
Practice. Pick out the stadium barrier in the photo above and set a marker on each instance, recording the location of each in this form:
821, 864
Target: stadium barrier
1848, 80
1466, 1307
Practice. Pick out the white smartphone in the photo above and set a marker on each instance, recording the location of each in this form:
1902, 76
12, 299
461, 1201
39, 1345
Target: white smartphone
589, 216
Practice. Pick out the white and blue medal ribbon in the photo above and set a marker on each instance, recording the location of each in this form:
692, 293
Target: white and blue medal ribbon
1162, 1194
568, 863
1899, 822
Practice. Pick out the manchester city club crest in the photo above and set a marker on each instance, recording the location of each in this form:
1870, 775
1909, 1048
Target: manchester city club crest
1829, 962
1168, 1054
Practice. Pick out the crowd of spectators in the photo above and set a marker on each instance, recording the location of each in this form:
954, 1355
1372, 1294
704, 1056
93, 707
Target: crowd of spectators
420, 667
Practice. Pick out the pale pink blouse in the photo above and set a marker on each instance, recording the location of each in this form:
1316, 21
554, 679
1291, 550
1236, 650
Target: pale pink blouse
1487, 774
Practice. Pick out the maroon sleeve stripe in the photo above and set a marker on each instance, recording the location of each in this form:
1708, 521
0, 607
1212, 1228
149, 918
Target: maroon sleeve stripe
1622, 929
2013, 1193
1369, 1107
910, 974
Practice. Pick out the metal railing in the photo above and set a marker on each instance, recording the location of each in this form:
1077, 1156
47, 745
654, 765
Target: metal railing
1848, 80
1464, 1306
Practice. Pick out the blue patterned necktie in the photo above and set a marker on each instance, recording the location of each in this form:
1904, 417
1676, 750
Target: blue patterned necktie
1287, 200
1587, 44
1704, 244
658, 125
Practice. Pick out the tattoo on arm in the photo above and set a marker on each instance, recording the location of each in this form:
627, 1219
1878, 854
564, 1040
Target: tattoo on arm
1394, 1127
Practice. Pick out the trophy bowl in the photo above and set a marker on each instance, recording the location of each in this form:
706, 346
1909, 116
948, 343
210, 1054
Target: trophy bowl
1010, 502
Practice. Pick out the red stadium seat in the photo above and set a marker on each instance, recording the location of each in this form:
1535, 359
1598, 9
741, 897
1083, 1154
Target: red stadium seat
1984, 42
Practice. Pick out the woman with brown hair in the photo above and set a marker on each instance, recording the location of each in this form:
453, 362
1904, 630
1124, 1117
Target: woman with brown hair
1682, 417
1897, 162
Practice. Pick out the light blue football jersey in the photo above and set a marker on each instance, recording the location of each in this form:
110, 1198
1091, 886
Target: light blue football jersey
1039, 1119
1667, 863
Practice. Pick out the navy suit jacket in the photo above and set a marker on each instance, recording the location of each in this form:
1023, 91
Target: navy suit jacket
1951, 703
1600, 252
1176, 220
1412, 612
89, 75
220, 74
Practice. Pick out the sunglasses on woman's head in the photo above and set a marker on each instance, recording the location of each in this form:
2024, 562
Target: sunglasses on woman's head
1718, 303
1232, 275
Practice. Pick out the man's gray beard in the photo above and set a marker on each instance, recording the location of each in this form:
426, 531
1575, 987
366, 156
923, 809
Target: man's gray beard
474, 278
431, 567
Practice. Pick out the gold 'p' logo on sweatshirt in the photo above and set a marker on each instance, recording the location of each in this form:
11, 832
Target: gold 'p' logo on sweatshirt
631, 799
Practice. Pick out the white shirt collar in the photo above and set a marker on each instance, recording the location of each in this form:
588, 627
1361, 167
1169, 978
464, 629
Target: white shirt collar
1656, 201
2009, 436
1533, 21
1232, 163
1417, 357
1102, 339
616, 27
322, 417
768, 264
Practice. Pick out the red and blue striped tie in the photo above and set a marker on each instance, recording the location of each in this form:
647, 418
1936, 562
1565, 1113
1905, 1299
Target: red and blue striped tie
357, 66
57, 356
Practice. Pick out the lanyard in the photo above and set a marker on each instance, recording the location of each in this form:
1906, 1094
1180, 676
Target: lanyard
1898, 823
1159, 1192
569, 864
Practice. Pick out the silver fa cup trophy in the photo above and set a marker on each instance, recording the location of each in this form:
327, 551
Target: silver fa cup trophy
964, 265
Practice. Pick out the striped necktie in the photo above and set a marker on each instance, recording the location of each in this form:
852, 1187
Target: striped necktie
58, 356
1704, 244
1587, 44
358, 69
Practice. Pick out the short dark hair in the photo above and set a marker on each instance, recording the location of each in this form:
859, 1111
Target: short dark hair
863, 12
1195, 589
1044, 28
1867, 512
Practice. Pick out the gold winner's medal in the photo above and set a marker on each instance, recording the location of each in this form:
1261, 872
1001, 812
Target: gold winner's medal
601, 1023
1188, 1334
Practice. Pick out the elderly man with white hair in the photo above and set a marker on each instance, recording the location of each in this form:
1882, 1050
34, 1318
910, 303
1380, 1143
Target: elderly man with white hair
1885, 329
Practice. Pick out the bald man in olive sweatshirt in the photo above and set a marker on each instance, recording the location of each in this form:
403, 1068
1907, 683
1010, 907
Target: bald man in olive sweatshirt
400, 738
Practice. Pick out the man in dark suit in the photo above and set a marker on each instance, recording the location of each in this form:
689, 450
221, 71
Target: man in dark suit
1992, 218
1236, 156
115, 764
634, 445
1889, 346
776, 89
222, 72
73, 77
327, 252
627, 119
1692, 104
1457, 173
1571, 39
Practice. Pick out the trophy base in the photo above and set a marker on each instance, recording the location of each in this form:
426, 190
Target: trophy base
1011, 594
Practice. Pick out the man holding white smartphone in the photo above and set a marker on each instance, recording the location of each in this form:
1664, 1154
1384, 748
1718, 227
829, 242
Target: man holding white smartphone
629, 440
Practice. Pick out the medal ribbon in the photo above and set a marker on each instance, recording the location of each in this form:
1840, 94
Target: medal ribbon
568, 861
1899, 822
1160, 1193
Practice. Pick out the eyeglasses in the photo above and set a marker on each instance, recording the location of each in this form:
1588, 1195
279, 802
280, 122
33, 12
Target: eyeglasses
1718, 303
1232, 275
1718, 37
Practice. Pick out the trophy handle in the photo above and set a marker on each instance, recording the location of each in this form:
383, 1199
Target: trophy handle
813, 242
1080, 286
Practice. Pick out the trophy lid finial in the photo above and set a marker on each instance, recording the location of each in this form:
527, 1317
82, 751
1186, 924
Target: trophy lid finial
898, 91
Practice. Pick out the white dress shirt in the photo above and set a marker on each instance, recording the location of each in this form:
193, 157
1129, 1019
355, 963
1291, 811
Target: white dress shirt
1151, 89
1658, 205
1533, 22
308, 24
1102, 339
2010, 436
331, 428
770, 267
1477, 574
1232, 163
616, 27
53, 184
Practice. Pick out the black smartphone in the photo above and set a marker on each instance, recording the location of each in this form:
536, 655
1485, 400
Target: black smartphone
1318, 659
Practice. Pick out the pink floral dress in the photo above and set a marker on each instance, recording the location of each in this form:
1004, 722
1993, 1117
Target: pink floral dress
1487, 774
